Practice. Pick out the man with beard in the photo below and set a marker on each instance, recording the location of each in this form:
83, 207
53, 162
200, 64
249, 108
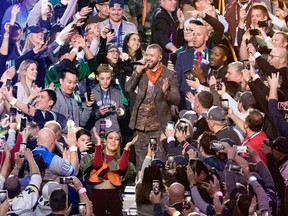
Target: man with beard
157, 91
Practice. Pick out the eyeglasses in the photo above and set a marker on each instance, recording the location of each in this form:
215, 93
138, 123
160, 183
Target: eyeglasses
113, 51
272, 56
188, 30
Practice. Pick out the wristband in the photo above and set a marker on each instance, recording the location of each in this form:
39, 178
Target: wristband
218, 193
73, 148
268, 39
252, 179
13, 101
82, 191
59, 42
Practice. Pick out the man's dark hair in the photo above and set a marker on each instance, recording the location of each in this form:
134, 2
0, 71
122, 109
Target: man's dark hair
58, 200
262, 8
67, 70
13, 186
155, 46
243, 203
255, 120
205, 141
205, 98
52, 95
232, 88
81, 132
224, 49
196, 22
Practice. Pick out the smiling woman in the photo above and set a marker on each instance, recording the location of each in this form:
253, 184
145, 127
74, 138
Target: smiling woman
27, 75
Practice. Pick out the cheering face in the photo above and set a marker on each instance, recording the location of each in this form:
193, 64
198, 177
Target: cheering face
68, 83
113, 55
134, 43
43, 101
112, 141
217, 58
116, 13
31, 72
152, 57
200, 36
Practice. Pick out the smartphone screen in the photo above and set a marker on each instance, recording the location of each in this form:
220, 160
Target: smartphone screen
23, 123
246, 64
12, 114
8, 84
189, 75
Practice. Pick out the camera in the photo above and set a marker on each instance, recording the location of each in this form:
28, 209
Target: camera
82, 209
170, 125
246, 64
283, 105
156, 187
216, 145
153, 143
187, 199
189, 75
170, 161
254, 32
22, 150
241, 149
262, 24
66, 180
3, 195
218, 85
235, 168
182, 126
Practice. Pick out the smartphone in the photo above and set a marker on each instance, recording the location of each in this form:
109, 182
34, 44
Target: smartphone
187, 200
3, 195
218, 85
22, 150
23, 123
112, 108
225, 104
156, 187
14, 91
112, 31
283, 105
235, 168
82, 209
66, 180
9, 64
88, 90
193, 163
170, 125
263, 24
254, 32
102, 129
182, 126
153, 143
189, 75
266, 141
8, 84
12, 114
241, 149
170, 161
216, 145
246, 64
2, 142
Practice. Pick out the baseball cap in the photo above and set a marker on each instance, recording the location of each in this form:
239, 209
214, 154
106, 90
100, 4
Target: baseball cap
47, 189
248, 99
101, 1
35, 29
180, 160
280, 144
217, 113
189, 115
110, 46
159, 163
116, 3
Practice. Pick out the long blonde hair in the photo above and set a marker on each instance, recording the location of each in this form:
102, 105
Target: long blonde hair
21, 76
28, 43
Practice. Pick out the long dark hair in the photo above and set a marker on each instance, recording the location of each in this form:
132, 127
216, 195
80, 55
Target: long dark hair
142, 194
138, 55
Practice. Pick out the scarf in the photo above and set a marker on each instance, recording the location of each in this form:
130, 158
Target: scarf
154, 75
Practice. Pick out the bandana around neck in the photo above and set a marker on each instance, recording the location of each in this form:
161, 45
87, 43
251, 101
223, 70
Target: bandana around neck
154, 75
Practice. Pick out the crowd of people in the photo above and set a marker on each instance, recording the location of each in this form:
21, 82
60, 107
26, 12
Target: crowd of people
185, 100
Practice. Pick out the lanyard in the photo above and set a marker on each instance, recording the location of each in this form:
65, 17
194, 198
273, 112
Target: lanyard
118, 34
105, 97
251, 137
69, 106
